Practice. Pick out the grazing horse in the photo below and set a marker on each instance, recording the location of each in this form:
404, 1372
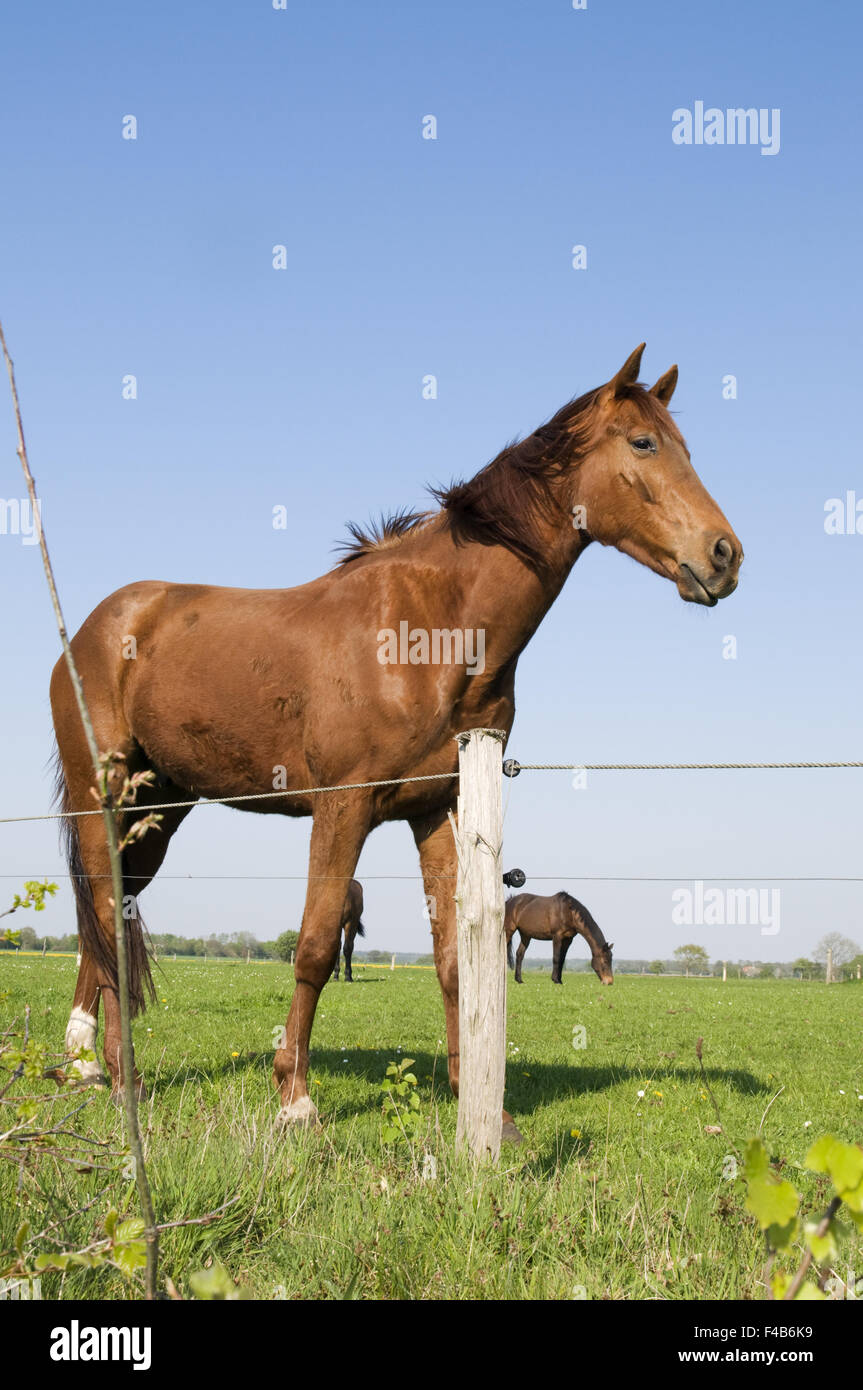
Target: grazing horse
352, 927
556, 919
360, 676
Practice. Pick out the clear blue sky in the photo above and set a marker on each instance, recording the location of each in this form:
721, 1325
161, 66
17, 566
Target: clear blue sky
409, 256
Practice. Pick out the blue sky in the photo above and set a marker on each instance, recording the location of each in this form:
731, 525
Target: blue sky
453, 257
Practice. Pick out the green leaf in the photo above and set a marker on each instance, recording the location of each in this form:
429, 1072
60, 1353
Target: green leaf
756, 1163
131, 1257
822, 1247
809, 1293
774, 1205
110, 1223
854, 1200
51, 1262
844, 1162
20, 1237
215, 1283
132, 1229
781, 1236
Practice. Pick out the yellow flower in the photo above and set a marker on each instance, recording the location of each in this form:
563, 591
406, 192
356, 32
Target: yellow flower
575, 1133
235, 1054
658, 1093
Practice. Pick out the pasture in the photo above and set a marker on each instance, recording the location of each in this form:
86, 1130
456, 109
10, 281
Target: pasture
618, 1193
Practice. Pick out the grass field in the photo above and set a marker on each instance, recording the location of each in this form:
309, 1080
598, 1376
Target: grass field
618, 1192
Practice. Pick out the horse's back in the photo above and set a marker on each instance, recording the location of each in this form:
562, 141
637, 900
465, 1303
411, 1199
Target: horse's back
531, 914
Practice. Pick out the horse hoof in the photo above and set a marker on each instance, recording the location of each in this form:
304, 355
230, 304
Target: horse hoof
87, 1073
301, 1113
511, 1134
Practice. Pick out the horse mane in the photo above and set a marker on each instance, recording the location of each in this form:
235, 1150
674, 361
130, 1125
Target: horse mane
378, 535
506, 500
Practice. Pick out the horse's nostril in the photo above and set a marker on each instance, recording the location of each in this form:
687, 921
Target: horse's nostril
723, 553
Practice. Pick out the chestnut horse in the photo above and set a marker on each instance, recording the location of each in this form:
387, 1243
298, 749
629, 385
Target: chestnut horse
239, 691
558, 919
352, 926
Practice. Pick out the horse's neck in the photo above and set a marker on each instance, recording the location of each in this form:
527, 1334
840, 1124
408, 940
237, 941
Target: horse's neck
499, 591
594, 938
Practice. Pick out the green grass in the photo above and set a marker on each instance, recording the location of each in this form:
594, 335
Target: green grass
619, 1194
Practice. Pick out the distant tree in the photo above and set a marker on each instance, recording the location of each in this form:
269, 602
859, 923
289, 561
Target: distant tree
843, 948
28, 939
656, 967
854, 967
286, 943
805, 968
424, 960
692, 958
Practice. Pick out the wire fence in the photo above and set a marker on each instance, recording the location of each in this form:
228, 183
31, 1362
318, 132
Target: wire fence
511, 768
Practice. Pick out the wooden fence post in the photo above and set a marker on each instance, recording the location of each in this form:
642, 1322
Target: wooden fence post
481, 943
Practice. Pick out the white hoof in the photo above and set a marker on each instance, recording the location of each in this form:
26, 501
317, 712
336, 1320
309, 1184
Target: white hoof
88, 1073
81, 1033
300, 1112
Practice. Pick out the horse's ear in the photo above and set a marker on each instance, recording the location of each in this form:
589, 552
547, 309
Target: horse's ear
628, 374
664, 388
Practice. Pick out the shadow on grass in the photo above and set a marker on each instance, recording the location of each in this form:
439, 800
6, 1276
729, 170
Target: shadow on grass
545, 1083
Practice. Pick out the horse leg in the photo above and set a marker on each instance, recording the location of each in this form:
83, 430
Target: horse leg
439, 865
339, 830
564, 947
90, 862
350, 936
84, 1021
338, 959
519, 957
561, 946
141, 862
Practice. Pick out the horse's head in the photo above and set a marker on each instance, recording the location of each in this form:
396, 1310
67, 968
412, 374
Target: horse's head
581, 921
601, 961
635, 488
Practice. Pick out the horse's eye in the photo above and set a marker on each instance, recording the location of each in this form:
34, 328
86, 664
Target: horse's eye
643, 444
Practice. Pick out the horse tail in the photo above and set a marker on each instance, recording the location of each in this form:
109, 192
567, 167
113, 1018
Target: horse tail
92, 940
361, 931
510, 960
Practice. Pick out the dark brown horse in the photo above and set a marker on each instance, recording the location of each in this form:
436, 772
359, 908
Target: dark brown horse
559, 919
352, 926
239, 691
